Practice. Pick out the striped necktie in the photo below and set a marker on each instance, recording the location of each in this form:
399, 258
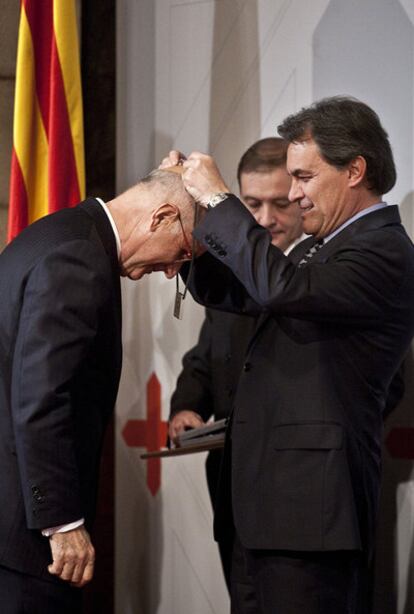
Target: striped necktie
310, 253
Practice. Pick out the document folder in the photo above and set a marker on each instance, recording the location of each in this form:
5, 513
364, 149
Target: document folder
201, 439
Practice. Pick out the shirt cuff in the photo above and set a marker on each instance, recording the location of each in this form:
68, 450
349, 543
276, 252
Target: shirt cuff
63, 528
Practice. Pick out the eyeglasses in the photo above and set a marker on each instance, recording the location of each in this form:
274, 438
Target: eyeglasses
190, 248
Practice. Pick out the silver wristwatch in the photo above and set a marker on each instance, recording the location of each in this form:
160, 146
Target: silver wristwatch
217, 198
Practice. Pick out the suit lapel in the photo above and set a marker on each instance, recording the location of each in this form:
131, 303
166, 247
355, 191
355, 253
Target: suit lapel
295, 256
372, 221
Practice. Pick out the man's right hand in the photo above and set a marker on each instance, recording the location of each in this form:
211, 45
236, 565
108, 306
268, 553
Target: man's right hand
73, 556
181, 421
202, 178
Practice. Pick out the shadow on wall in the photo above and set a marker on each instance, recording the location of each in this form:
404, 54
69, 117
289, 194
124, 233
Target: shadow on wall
409, 599
164, 144
348, 59
396, 471
235, 84
405, 511
406, 212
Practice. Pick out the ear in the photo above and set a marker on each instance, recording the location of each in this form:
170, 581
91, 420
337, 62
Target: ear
164, 214
357, 170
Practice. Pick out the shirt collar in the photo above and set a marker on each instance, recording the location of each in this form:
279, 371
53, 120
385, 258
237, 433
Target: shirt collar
114, 228
355, 217
295, 243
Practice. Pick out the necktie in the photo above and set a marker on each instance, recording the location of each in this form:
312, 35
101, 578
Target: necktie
310, 253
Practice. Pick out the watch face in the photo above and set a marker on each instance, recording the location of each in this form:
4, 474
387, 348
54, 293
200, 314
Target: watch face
217, 198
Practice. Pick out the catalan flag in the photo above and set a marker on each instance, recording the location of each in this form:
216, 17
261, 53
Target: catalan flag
47, 168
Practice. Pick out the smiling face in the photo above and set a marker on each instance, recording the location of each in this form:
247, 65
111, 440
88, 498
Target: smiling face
326, 195
265, 194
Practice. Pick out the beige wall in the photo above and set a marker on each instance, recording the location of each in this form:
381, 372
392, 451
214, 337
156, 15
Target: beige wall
9, 21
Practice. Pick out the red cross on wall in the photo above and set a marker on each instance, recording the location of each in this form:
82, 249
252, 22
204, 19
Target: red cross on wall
150, 433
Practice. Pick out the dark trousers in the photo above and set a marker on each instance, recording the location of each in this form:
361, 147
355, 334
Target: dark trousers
213, 466
284, 582
24, 594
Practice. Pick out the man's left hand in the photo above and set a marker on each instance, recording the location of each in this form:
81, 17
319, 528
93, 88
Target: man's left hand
182, 420
73, 556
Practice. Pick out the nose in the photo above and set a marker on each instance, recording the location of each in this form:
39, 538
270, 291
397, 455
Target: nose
295, 192
172, 269
266, 217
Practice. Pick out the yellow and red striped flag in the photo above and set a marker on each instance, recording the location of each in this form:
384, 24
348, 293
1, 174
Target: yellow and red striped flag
47, 168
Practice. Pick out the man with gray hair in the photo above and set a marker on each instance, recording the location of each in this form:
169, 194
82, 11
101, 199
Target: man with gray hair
304, 447
60, 362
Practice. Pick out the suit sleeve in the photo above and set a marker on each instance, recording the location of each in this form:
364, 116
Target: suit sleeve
359, 284
194, 386
396, 391
58, 323
213, 284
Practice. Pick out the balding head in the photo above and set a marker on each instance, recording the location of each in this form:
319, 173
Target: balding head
166, 186
154, 219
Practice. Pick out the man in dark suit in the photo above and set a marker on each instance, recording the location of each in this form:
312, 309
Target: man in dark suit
60, 361
304, 449
208, 380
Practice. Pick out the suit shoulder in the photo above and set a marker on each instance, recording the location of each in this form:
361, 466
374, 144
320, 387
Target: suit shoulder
52, 229
65, 234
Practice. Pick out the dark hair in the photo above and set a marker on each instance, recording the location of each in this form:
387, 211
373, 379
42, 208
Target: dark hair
344, 128
263, 156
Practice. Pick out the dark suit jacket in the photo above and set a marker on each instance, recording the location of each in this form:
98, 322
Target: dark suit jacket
210, 374
211, 368
307, 423
60, 360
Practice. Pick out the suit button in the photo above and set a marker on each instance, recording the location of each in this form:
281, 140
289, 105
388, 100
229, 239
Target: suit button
35, 490
222, 253
247, 366
227, 358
